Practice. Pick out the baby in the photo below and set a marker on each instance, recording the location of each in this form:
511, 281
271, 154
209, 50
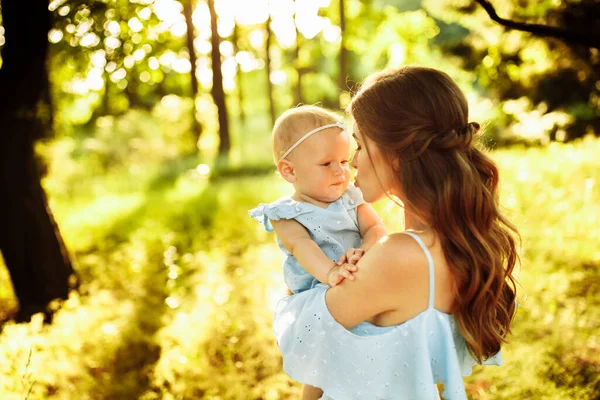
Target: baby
325, 226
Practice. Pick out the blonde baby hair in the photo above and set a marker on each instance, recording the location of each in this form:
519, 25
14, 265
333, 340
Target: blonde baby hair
296, 122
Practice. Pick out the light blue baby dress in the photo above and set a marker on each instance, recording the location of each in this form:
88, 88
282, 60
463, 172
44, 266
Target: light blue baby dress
334, 229
369, 362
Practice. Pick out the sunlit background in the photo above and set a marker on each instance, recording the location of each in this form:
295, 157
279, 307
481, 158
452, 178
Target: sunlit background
178, 284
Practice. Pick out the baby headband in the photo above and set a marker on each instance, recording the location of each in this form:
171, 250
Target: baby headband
339, 124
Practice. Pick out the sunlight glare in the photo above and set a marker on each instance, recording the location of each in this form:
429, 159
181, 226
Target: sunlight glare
94, 79
113, 28
167, 58
111, 66
226, 48
110, 329
201, 20
112, 43
153, 63
179, 28
118, 75
278, 78
257, 39
145, 13
246, 61
84, 27
202, 46
135, 24
139, 54
55, 36
284, 30
182, 65
64, 10
129, 62
145, 76
172, 302
332, 33
98, 59
167, 10
247, 12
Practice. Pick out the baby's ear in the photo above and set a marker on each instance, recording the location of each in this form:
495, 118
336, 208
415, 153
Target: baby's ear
286, 170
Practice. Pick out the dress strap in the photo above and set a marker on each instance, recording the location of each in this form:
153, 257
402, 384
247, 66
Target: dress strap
430, 265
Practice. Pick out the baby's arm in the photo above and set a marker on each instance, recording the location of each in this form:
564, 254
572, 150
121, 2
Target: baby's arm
371, 227
297, 241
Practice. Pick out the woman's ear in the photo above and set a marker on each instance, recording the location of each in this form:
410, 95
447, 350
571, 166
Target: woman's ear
286, 170
396, 164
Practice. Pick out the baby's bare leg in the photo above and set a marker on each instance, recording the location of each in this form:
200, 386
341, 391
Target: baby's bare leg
311, 393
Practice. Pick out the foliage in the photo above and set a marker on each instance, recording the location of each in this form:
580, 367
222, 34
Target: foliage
179, 286
549, 88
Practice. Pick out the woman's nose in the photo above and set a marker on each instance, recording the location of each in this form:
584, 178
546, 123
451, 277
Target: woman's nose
353, 162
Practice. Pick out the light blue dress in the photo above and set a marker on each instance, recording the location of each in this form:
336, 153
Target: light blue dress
369, 362
334, 229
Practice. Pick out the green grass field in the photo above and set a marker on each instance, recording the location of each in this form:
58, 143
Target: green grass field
179, 286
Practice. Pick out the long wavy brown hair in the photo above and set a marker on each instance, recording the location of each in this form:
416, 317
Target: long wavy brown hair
419, 117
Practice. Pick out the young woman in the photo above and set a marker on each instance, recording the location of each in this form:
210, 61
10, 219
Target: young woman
428, 303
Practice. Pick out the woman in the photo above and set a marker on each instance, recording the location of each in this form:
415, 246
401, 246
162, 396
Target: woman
428, 303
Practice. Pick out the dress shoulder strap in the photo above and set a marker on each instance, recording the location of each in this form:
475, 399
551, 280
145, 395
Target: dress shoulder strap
430, 266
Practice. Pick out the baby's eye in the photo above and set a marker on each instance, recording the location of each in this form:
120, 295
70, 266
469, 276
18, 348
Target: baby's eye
327, 164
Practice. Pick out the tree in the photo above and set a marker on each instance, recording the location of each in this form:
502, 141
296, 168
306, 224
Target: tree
187, 12
235, 37
30, 241
217, 91
549, 71
574, 36
297, 88
268, 43
343, 52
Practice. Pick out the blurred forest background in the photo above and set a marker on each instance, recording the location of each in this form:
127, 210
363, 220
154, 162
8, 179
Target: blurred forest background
148, 122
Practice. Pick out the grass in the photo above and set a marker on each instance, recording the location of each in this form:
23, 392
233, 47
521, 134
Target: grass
179, 286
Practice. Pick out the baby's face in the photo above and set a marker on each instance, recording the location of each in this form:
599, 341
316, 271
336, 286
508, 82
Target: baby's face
322, 165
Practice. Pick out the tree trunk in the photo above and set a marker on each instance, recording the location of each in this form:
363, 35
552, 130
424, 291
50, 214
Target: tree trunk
238, 75
574, 36
268, 43
187, 12
297, 91
217, 91
30, 241
342, 80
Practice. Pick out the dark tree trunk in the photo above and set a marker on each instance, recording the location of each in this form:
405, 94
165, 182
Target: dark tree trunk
268, 43
238, 75
342, 82
30, 241
217, 91
187, 12
574, 36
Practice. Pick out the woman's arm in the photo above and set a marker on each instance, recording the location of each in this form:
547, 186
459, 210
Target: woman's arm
297, 241
391, 275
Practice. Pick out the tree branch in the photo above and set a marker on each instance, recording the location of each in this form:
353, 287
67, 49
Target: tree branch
586, 39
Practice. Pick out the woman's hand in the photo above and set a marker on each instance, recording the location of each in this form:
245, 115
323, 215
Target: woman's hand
340, 272
351, 256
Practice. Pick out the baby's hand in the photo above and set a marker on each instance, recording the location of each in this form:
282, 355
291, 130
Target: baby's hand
340, 272
351, 256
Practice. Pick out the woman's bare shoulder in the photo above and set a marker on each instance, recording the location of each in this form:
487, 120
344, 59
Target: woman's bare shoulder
398, 257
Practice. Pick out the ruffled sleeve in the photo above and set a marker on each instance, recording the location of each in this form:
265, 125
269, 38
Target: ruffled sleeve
285, 208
